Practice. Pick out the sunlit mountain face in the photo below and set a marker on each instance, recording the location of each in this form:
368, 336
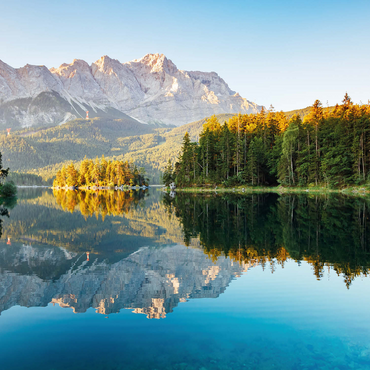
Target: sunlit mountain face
146, 90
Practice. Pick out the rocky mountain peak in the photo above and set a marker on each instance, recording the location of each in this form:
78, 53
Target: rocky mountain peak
106, 64
106, 60
156, 63
69, 70
33, 69
150, 89
35, 79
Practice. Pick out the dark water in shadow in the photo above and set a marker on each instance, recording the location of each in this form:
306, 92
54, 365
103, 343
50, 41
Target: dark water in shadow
116, 280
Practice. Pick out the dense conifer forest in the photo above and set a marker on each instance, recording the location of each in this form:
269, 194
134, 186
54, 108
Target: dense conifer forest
100, 173
329, 147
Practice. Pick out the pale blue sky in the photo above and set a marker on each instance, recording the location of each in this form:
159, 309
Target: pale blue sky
286, 53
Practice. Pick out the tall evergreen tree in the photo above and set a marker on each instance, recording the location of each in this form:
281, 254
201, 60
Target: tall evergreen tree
168, 173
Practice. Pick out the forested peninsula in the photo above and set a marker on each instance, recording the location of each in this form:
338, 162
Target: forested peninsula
329, 147
100, 173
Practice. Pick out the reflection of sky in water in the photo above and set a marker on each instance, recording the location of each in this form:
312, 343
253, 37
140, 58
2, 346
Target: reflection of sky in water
221, 319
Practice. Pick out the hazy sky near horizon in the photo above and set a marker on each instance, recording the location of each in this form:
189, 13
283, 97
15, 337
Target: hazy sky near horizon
281, 52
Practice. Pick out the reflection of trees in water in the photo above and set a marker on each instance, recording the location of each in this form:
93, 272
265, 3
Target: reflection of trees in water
41, 219
5, 205
326, 231
105, 202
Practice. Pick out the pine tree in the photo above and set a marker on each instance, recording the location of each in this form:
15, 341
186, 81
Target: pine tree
84, 177
95, 175
186, 160
208, 157
225, 159
103, 169
63, 176
315, 118
71, 176
256, 162
289, 150
168, 173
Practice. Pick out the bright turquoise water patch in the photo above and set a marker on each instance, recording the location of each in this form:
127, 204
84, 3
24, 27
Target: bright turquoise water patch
154, 303
262, 321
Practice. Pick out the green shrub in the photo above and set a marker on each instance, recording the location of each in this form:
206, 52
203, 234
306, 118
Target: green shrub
8, 190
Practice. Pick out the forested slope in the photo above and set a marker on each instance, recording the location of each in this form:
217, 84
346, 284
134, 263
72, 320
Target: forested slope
44, 151
327, 148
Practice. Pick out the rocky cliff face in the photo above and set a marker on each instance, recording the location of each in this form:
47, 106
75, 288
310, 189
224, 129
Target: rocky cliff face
151, 281
150, 89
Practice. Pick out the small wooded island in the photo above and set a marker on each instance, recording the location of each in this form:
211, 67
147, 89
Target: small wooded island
329, 148
101, 173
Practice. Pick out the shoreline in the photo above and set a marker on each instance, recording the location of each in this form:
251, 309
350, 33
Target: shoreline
354, 190
90, 188
94, 188
33, 186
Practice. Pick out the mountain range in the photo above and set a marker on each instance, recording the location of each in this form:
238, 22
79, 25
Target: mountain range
150, 90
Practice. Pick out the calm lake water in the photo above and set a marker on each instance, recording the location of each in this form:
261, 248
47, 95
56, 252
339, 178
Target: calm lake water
145, 281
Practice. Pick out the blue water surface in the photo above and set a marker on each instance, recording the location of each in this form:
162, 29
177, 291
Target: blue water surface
239, 317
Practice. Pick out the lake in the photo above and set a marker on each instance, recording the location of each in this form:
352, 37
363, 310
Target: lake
145, 280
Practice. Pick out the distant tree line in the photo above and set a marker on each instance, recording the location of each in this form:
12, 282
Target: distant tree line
329, 147
28, 179
100, 173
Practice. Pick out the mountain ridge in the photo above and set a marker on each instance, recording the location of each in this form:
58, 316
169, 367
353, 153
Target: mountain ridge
150, 89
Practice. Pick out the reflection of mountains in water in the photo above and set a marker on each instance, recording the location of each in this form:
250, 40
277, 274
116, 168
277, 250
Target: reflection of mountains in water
151, 281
